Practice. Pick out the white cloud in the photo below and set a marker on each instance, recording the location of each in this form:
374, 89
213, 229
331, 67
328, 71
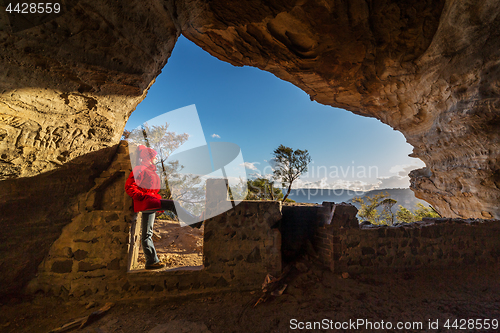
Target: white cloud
216, 136
403, 170
267, 176
401, 180
354, 185
250, 166
394, 182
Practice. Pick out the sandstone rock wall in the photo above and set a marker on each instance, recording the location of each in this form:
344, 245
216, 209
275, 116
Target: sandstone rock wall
34, 211
429, 69
240, 247
69, 85
67, 88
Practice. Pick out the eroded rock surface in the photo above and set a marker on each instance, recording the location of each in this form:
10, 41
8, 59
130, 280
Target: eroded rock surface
68, 86
429, 69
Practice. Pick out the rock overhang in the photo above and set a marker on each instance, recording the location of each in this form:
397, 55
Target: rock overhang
427, 69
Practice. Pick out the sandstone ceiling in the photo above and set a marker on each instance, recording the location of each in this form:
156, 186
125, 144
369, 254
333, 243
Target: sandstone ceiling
429, 69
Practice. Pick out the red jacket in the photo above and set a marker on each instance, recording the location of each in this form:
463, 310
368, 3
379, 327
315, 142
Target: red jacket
144, 188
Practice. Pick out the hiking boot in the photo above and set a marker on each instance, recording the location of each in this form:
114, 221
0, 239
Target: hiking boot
156, 265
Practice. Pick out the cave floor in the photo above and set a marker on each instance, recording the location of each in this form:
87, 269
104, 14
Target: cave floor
176, 247
313, 295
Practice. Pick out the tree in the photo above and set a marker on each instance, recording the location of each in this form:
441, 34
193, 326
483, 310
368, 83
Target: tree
406, 216
369, 210
368, 207
423, 211
387, 213
262, 189
289, 165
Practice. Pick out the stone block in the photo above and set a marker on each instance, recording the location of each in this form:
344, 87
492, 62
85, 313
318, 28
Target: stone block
367, 251
112, 217
63, 266
392, 232
352, 244
86, 266
254, 256
67, 252
344, 216
114, 265
146, 287
221, 282
366, 262
80, 254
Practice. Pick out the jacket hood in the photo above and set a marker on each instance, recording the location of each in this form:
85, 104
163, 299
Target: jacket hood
146, 154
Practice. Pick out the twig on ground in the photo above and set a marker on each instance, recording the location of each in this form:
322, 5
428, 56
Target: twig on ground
83, 321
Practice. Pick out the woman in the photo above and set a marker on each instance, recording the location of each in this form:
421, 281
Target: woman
143, 185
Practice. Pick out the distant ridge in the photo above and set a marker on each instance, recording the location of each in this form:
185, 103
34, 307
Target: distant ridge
318, 195
404, 196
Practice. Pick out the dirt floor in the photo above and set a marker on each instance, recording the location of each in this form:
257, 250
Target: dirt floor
176, 246
312, 294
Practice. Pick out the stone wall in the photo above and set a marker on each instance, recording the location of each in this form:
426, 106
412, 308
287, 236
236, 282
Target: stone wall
430, 243
91, 253
244, 244
95, 252
35, 210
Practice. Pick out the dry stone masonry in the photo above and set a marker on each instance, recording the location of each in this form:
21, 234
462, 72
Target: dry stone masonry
441, 243
91, 254
97, 251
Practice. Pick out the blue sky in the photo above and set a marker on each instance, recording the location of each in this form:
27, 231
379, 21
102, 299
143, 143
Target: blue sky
258, 111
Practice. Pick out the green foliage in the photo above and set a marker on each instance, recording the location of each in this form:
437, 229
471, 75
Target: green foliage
262, 189
289, 164
168, 215
406, 216
368, 208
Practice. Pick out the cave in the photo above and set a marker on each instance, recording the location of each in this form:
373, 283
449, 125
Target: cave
429, 69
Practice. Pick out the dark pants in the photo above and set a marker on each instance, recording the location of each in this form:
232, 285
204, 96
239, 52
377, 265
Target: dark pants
148, 219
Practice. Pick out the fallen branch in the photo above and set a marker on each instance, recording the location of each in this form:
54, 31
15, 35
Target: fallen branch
83, 321
273, 286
